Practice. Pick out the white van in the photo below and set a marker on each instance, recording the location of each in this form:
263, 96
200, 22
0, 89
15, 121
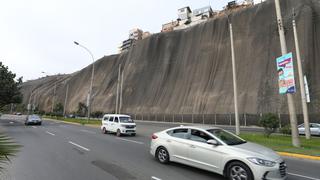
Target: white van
119, 124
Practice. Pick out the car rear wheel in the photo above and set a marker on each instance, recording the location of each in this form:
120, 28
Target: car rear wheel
118, 133
239, 171
162, 155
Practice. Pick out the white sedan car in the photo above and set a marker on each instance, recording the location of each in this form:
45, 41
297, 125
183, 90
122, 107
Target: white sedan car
314, 129
219, 151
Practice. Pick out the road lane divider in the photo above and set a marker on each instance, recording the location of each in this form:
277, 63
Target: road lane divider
11, 122
87, 131
302, 176
79, 146
50, 133
128, 140
34, 127
155, 178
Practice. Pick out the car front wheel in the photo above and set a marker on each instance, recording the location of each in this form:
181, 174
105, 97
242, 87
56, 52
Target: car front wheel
118, 133
162, 155
239, 171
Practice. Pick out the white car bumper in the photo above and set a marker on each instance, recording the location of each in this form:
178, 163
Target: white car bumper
278, 172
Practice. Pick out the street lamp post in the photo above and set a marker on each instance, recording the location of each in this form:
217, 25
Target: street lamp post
91, 82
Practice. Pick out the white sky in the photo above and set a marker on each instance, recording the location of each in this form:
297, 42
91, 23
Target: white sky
38, 35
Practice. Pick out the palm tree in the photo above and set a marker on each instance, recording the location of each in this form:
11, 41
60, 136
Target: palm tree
8, 148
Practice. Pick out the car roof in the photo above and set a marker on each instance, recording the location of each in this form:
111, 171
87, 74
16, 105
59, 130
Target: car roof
124, 115
200, 127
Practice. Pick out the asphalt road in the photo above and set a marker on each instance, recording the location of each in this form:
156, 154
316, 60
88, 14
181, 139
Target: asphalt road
59, 151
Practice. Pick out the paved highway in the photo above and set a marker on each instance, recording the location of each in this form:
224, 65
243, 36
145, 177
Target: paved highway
59, 151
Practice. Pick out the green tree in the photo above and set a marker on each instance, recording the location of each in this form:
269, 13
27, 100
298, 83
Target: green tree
58, 109
82, 109
97, 114
8, 148
9, 87
270, 123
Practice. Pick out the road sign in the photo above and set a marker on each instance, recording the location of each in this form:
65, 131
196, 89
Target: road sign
286, 74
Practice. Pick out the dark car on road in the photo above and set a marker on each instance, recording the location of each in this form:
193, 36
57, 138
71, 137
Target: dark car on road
33, 120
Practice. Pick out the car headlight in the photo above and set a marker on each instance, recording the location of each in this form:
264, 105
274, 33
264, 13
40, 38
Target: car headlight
261, 162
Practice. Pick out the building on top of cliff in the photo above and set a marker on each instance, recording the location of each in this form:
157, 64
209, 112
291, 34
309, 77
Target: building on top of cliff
135, 35
194, 17
169, 26
234, 5
187, 18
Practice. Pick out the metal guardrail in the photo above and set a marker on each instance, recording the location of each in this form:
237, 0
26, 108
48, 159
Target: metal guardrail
215, 119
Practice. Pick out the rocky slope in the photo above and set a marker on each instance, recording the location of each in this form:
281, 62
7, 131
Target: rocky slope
189, 71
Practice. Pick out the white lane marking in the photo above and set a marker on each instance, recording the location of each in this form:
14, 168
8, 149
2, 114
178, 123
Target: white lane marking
34, 127
75, 144
155, 178
11, 122
50, 133
87, 131
137, 142
303, 176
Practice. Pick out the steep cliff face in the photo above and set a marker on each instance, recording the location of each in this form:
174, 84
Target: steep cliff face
190, 71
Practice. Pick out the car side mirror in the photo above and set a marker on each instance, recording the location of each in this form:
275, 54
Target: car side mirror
213, 142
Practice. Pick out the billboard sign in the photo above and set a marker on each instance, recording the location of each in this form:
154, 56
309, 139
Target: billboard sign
286, 74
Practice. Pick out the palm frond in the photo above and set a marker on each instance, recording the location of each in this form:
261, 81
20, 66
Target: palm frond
8, 148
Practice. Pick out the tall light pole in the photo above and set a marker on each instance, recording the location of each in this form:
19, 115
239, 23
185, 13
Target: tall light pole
65, 101
292, 109
300, 72
234, 75
91, 82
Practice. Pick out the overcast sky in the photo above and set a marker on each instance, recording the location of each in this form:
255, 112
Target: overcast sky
38, 35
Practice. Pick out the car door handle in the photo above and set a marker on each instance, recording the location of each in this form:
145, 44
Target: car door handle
192, 146
168, 141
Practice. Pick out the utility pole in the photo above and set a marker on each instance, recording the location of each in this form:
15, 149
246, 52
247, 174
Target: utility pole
11, 108
29, 103
117, 94
34, 101
291, 105
121, 93
54, 96
302, 90
65, 101
234, 74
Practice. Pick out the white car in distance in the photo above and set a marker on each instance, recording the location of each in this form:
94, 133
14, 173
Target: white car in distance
219, 151
119, 124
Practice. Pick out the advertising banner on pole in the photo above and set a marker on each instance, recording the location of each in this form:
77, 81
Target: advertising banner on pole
286, 74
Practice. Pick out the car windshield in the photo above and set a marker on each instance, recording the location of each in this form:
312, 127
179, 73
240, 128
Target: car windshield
226, 137
34, 117
126, 120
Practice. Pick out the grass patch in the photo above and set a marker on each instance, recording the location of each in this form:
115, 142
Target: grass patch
283, 143
76, 120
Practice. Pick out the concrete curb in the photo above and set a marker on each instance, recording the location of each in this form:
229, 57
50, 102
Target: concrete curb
300, 156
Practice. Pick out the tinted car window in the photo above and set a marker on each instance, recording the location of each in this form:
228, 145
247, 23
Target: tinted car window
226, 137
105, 118
111, 119
126, 120
179, 133
200, 136
116, 119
